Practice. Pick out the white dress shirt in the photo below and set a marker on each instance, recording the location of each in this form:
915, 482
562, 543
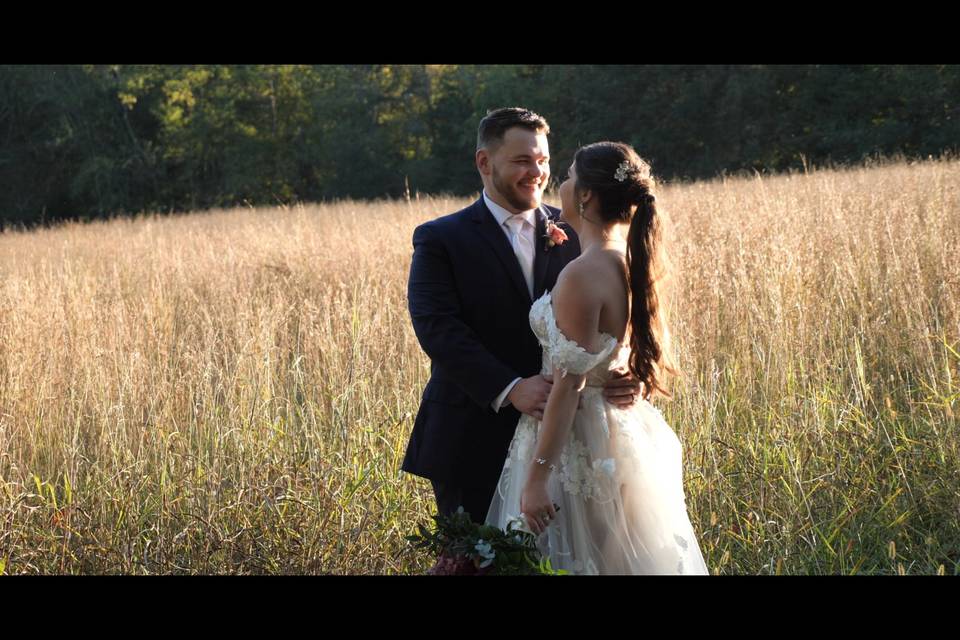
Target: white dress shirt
529, 233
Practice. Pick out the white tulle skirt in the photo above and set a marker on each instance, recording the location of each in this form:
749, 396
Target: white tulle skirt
619, 485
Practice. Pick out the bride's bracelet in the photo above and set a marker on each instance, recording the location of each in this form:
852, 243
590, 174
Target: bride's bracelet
542, 462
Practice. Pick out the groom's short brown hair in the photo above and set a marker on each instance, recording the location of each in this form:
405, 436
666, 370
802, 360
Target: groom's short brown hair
498, 121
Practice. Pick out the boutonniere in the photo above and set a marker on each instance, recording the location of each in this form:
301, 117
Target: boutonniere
554, 235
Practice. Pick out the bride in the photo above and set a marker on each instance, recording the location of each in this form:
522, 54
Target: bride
601, 486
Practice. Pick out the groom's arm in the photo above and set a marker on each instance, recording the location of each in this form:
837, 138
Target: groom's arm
501, 400
451, 344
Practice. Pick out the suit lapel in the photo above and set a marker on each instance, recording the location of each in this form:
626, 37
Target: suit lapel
490, 231
541, 254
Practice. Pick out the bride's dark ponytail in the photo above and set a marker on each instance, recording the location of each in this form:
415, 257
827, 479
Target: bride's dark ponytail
649, 336
622, 182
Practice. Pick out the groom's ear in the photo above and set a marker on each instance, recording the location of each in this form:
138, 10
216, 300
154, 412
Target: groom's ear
483, 161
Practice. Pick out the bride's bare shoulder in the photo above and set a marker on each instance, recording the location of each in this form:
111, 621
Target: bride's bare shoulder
577, 302
590, 274
575, 278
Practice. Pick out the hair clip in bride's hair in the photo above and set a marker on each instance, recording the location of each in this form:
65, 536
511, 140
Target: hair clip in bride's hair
621, 173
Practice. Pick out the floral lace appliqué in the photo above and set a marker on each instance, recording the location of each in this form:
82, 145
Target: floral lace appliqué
524, 441
563, 353
582, 477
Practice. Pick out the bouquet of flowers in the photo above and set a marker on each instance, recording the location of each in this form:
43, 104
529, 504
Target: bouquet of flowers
464, 547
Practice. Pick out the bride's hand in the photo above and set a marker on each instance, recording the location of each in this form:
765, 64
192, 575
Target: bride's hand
536, 506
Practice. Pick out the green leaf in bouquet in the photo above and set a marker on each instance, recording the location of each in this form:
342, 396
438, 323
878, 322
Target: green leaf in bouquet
546, 568
488, 532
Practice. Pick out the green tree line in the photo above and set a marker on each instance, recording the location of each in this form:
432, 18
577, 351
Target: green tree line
99, 140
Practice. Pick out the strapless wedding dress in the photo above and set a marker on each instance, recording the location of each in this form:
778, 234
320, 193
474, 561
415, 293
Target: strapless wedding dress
619, 480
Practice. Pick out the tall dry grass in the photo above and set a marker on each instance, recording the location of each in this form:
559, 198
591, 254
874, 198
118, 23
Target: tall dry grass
232, 392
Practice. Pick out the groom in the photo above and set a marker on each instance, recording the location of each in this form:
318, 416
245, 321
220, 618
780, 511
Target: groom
474, 275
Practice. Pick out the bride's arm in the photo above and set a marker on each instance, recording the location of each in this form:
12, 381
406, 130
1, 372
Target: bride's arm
577, 311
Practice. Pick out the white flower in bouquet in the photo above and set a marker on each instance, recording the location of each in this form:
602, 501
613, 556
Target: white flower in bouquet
486, 552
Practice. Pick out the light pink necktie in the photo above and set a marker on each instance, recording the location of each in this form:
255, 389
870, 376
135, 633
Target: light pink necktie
521, 247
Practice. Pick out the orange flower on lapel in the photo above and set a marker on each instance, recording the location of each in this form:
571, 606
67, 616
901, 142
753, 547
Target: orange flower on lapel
554, 235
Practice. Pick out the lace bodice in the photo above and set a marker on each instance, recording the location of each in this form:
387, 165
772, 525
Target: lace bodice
565, 354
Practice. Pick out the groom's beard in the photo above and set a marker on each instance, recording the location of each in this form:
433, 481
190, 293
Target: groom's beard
516, 199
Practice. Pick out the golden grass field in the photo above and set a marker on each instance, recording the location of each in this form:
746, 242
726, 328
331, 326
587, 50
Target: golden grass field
232, 391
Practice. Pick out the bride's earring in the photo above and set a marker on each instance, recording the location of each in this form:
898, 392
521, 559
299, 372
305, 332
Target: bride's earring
581, 211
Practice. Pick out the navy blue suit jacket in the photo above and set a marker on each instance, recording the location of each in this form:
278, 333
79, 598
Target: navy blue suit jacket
469, 304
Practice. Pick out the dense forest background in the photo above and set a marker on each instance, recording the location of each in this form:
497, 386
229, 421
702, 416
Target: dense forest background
99, 140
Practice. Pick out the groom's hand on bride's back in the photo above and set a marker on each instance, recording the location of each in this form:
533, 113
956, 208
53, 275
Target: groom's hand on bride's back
530, 395
623, 389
